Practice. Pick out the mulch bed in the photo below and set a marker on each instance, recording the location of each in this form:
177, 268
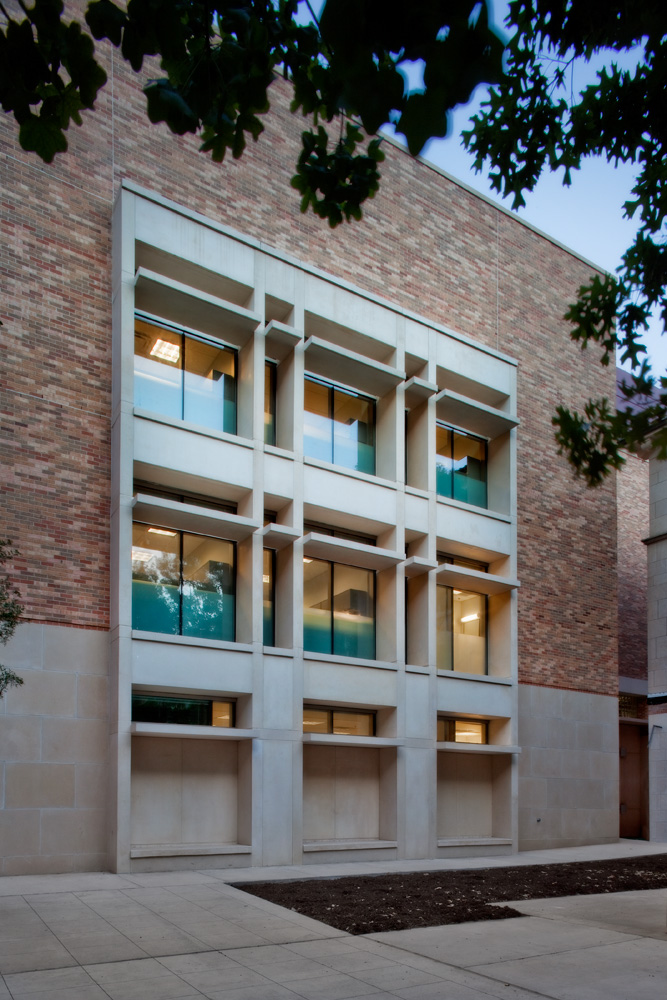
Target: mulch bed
373, 903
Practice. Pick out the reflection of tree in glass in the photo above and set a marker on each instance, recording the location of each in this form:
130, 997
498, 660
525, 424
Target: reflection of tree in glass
161, 570
204, 595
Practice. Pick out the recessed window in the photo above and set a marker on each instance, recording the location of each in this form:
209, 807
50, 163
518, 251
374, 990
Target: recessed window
184, 377
461, 462
269, 597
327, 529
444, 558
339, 426
171, 710
270, 370
340, 721
338, 609
182, 584
461, 639
196, 499
462, 731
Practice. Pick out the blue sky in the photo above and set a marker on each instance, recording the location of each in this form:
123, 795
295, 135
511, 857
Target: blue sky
587, 216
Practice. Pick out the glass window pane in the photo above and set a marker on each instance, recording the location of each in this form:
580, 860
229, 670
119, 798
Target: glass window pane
208, 587
317, 431
316, 606
170, 710
354, 431
443, 461
442, 731
467, 731
354, 612
210, 386
158, 384
470, 470
155, 579
222, 714
268, 591
316, 720
443, 624
353, 723
269, 403
469, 627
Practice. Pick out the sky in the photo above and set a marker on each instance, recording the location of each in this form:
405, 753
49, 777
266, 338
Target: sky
587, 217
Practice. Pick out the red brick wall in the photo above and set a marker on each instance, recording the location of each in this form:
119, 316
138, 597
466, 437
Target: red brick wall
633, 526
425, 243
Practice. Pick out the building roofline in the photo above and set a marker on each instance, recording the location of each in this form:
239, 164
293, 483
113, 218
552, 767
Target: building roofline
255, 244
493, 203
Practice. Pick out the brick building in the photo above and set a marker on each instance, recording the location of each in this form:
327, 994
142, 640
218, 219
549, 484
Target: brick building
257, 471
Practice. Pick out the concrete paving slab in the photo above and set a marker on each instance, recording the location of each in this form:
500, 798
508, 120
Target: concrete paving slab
192, 934
635, 969
643, 912
467, 946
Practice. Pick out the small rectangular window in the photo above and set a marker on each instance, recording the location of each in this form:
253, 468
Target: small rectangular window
184, 377
462, 731
338, 721
461, 466
172, 710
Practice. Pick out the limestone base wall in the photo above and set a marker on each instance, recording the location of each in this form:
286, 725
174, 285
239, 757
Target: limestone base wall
568, 768
54, 737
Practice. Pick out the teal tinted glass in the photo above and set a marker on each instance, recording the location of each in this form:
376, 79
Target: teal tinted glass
339, 426
155, 579
269, 403
209, 395
461, 466
182, 584
443, 461
208, 587
158, 369
469, 469
184, 377
170, 711
353, 431
317, 606
353, 612
268, 594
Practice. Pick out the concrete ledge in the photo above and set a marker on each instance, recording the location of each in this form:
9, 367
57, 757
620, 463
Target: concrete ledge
186, 850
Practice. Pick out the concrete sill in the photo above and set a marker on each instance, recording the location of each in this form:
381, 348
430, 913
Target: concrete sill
184, 732
186, 850
347, 845
475, 842
492, 748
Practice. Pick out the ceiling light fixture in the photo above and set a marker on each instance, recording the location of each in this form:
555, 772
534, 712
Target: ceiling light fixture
166, 351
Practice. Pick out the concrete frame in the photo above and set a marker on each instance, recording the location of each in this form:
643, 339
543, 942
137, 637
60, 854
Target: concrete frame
183, 268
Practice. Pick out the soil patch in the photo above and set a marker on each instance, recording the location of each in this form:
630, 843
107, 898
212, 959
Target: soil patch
373, 903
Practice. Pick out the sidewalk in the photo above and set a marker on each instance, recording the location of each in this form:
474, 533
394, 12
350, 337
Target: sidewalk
165, 936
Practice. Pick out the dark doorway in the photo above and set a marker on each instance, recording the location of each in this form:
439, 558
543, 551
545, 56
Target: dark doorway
633, 781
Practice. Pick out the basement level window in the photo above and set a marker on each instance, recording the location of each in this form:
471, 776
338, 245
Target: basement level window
462, 731
340, 721
169, 710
